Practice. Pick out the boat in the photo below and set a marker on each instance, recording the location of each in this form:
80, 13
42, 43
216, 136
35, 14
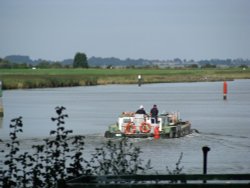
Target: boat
167, 125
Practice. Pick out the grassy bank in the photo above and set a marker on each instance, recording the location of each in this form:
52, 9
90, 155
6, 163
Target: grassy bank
40, 78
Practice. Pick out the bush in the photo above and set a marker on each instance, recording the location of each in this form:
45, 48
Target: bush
120, 158
60, 157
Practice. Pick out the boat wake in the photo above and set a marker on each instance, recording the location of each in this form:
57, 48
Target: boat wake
194, 131
225, 135
228, 140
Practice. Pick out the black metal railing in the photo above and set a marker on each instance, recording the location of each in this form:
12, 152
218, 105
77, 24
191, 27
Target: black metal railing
159, 181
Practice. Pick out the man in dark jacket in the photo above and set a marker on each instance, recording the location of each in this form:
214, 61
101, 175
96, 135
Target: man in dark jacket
154, 114
141, 110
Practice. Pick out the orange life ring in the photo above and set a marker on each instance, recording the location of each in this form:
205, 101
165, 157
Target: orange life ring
130, 128
145, 127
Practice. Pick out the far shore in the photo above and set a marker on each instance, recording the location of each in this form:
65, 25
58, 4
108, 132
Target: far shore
49, 78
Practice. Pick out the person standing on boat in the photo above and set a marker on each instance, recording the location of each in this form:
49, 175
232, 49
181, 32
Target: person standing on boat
141, 110
154, 114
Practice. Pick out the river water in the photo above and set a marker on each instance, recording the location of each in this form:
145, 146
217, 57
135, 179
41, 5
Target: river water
224, 126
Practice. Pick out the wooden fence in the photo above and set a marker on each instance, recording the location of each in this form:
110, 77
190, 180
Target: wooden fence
160, 181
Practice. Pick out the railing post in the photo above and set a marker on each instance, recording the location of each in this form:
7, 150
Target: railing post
1, 104
205, 150
61, 184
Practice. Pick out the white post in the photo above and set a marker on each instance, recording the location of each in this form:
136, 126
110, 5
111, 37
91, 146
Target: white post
139, 80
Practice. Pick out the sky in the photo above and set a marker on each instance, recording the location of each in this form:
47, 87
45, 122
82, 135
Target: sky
148, 29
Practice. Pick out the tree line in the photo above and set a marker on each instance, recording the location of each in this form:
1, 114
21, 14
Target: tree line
80, 60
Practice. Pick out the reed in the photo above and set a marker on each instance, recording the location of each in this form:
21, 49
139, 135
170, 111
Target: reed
41, 78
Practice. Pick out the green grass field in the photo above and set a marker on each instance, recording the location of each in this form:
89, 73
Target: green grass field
39, 78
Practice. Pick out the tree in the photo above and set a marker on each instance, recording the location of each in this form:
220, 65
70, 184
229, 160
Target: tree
44, 64
80, 61
5, 64
208, 65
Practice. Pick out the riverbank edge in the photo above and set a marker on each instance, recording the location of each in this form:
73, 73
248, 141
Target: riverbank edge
26, 85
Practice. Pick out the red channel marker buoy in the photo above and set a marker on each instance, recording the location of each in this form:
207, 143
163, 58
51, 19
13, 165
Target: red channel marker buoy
225, 90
